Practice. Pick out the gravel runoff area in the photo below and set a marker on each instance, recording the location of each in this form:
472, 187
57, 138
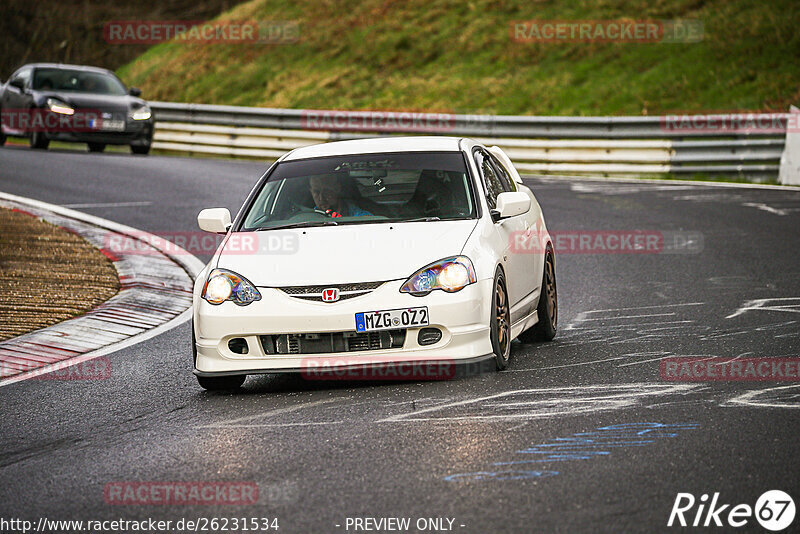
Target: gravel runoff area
47, 274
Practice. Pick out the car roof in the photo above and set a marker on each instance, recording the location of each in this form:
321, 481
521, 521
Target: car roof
375, 145
86, 68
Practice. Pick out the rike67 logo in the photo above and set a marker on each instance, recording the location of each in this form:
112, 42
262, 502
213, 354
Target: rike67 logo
774, 511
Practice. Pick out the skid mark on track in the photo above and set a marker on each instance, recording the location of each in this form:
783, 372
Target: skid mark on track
780, 304
577, 364
327, 412
777, 397
241, 422
612, 314
524, 404
770, 209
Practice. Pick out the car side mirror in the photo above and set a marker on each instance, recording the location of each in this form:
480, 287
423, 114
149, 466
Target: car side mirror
135, 91
214, 220
19, 84
510, 204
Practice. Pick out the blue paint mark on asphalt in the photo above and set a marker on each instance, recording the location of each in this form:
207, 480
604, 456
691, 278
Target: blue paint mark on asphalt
581, 446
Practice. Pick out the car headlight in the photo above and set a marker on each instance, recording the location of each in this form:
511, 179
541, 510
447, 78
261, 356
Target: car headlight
141, 114
225, 285
57, 106
450, 274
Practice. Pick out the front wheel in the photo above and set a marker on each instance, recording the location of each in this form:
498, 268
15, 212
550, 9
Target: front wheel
140, 149
221, 383
39, 141
545, 329
500, 330
96, 147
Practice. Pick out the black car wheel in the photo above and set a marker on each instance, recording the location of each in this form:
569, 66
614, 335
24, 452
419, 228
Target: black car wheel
39, 141
140, 149
96, 147
500, 330
545, 329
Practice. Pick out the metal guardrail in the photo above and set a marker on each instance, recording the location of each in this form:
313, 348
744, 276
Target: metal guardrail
596, 145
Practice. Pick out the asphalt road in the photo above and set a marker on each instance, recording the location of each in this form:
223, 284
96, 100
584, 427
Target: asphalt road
325, 452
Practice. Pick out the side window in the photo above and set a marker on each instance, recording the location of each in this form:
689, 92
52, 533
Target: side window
505, 177
491, 181
24, 76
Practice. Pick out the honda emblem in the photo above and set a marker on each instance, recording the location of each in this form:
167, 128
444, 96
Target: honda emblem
330, 295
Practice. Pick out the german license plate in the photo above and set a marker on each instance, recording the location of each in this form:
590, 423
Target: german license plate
391, 319
107, 125
112, 126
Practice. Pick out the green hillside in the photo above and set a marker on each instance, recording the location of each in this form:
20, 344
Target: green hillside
458, 56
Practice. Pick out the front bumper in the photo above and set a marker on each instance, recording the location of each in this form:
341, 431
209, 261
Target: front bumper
135, 133
463, 318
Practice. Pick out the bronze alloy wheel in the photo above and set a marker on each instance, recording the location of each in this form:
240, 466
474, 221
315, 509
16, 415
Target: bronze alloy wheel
501, 323
547, 310
550, 288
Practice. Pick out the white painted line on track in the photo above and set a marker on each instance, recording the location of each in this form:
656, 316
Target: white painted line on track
107, 205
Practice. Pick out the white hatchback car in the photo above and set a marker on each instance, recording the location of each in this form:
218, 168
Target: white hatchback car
356, 256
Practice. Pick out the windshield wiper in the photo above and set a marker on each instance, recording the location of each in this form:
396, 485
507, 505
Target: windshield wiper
419, 219
307, 224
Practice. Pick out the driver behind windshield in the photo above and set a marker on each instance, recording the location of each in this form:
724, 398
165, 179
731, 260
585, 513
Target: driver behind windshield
329, 198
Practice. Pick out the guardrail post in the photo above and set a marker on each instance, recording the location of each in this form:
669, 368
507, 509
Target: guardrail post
789, 173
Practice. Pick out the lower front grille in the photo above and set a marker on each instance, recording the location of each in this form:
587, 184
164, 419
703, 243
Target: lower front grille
328, 342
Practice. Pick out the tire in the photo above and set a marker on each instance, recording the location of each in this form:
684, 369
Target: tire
221, 383
194, 347
140, 149
39, 141
547, 310
500, 326
2, 137
96, 147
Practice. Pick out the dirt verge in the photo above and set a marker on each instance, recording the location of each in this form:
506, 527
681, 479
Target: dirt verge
47, 274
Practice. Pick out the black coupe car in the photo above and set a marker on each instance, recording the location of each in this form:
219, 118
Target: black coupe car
45, 102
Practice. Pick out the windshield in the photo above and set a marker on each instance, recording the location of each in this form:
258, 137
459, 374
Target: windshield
364, 188
77, 81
